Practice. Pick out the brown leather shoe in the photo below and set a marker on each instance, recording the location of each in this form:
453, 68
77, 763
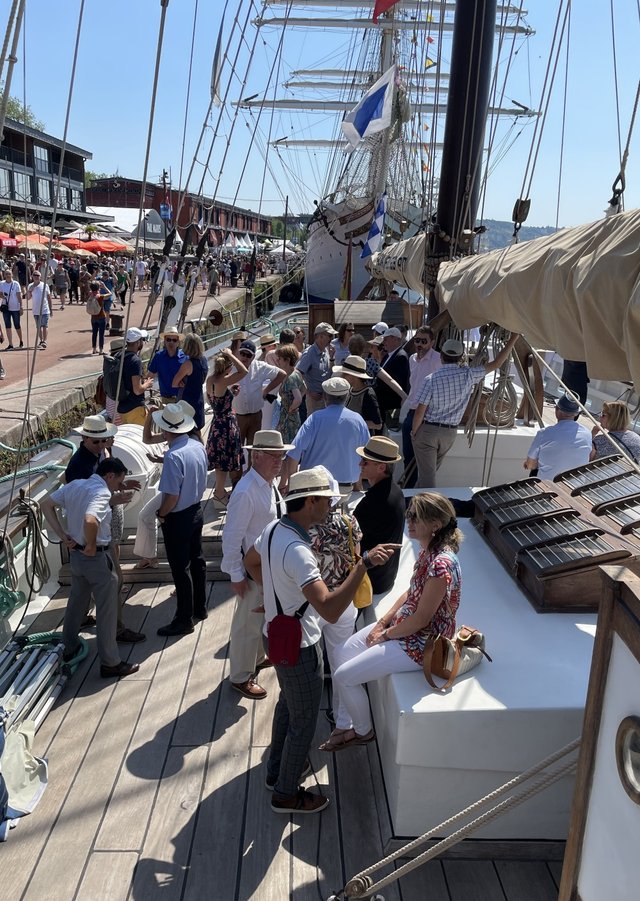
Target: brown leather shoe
119, 670
250, 689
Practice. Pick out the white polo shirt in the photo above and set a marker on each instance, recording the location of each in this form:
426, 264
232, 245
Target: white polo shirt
86, 497
249, 398
293, 565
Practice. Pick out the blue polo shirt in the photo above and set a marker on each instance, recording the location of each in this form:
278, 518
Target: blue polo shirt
184, 472
165, 367
315, 366
329, 438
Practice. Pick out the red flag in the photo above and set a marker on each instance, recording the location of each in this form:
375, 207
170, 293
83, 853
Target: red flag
381, 7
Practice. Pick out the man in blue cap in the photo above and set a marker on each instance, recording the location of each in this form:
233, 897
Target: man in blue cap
562, 446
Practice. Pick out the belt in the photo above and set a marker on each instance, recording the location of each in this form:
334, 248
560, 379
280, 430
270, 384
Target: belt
441, 425
99, 547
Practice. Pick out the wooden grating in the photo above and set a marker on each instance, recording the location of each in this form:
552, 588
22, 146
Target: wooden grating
594, 472
535, 506
571, 552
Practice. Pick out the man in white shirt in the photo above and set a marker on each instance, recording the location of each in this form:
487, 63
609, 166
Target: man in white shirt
421, 364
11, 304
39, 294
86, 503
259, 382
283, 561
254, 503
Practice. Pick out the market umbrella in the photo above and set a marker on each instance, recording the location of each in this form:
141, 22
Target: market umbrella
72, 243
82, 252
105, 246
30, 244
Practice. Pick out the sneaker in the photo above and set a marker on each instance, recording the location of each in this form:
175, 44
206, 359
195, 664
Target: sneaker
2, 372
302, 802
21, 344
308, 769
9, 346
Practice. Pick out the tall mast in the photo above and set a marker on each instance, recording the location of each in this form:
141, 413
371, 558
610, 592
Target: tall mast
468, 103
379, 164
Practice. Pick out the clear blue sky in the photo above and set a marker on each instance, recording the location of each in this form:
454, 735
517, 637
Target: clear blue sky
110, 107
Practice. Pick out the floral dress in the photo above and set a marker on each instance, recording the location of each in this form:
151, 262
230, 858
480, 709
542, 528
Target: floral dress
330, 544
289, 423
431, 564
224, 447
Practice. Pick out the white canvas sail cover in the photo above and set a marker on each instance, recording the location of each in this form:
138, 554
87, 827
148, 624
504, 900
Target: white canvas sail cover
576, 292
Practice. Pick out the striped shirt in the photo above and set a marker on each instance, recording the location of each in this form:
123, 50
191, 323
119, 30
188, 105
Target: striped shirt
446, 392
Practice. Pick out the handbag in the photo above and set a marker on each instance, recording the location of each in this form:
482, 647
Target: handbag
284, 633
364, 592
449, 658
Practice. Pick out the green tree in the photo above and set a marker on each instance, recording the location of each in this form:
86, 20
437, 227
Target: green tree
22, 114
277, 228
90, 176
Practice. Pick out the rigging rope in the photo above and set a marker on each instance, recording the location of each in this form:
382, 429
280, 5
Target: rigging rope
564, 120
186, 105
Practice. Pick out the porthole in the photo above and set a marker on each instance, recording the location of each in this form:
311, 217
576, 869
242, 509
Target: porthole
628, 756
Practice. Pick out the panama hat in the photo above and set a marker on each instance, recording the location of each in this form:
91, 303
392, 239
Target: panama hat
267, 340
96, 427
174, 419
380, 450
338, 494
310, 483
116, 344
353, 365
269, 440
336, 387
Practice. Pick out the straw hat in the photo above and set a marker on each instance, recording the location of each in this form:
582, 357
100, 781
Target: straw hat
174, 419
310, 483
336, 387
116, 345
172, 330
353, 365
380, 450
268, 440
96, 427
267, 340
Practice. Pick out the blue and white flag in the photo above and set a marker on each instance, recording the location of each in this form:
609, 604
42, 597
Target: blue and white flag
373, 113
375, 236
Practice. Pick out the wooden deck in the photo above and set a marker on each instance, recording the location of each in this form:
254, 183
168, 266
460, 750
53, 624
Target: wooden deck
156, 790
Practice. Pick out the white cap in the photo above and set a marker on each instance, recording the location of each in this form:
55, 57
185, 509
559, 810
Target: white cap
392, 333
135, 334
380, 327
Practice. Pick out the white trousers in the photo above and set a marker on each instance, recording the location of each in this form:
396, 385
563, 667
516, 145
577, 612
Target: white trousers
335, 635
359, 665
246, 649
146, 543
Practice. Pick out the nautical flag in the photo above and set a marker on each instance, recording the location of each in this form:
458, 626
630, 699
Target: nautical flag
215, 71
381, 7
374, 238
373, 113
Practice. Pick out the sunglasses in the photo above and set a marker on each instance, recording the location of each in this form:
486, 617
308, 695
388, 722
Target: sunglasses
98, 440
422, 341
172, 340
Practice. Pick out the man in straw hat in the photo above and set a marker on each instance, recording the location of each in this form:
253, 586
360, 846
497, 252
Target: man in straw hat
254, 503
86, 503
283, 561
182, 483
362, 398
329, 437
562, 446
166, 362
441, 404
380, 513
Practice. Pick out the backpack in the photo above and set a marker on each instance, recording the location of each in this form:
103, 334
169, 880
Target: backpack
110, 371
93, 307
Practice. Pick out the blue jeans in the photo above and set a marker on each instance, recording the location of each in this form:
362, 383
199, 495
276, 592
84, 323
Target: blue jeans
407, 448
97, 332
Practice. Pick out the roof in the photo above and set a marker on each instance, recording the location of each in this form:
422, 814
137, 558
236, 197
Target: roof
43, 136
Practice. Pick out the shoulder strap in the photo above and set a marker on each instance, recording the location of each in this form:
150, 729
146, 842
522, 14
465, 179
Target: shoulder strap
300, 612
351, 547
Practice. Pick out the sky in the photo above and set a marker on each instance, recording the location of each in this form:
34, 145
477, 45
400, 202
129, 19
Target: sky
110, 102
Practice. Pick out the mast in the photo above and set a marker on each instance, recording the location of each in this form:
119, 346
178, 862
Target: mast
467, 107
379, 162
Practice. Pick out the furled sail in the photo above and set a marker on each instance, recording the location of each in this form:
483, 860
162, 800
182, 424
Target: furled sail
576, 292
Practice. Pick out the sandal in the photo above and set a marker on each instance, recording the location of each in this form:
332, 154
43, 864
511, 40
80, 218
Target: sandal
146, 563
337, 740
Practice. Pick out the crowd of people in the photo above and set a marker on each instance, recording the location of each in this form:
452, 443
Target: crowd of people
295, 430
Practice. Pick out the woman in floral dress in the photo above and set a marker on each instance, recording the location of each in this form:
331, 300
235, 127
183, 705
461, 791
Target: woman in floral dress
291, 392
395, 644
224, 447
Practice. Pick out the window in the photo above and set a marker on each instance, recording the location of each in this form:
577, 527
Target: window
5, 183
43, 186
76, 199
22, 186
63, 203
41, 158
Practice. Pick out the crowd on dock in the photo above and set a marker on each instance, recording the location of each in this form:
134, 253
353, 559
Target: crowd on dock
297, 431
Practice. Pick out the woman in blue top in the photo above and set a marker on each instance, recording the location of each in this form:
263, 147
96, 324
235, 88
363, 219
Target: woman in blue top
191, 376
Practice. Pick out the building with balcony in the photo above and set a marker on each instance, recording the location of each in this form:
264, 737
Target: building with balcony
29, 164
223, 219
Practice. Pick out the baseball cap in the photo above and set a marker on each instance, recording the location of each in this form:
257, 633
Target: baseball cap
324, 328
452, 348
135, 334
392, 333
380, 328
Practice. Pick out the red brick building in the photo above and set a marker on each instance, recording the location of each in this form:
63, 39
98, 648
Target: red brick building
224, 219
